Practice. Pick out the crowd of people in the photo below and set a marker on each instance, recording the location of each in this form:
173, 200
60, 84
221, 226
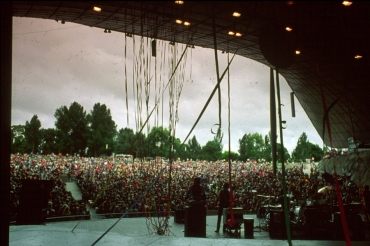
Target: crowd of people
113, 185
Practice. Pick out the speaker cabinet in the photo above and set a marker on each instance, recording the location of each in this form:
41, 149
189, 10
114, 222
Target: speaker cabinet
33, 201
195, 221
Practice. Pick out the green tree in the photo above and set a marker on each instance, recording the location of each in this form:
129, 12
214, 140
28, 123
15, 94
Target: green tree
233, 155
102, 130
158, 142
124, 140
72, 129
267, 149
243, 145
251, 146
315, 151
212, 151
18, 144
286, 153
32, 134
180, 153
193, 149
255, 145
302, 150
49, 141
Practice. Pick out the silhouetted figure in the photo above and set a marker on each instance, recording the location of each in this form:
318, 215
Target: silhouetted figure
223, 198
196, 192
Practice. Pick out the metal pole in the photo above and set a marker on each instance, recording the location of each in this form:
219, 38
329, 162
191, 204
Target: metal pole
286, 208
273, 120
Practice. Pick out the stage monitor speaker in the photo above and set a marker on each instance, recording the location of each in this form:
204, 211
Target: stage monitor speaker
33, 201
195, 221
277, 225
292, 103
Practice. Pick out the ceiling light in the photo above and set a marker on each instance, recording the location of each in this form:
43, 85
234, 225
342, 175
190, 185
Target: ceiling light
97, 9
288, 29
236, 14
179, 21
179, 2
187, 23
358, 57
298, 52
238, 34
231, 33
347, 3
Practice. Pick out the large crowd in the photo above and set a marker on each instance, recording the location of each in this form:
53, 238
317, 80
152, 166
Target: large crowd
112, 185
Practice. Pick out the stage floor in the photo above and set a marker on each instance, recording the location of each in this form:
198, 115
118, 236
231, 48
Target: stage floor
134, 231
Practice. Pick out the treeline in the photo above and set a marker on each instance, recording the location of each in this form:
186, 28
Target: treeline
95, 134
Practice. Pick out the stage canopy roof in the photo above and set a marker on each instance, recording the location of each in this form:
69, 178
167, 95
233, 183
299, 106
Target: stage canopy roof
328, 77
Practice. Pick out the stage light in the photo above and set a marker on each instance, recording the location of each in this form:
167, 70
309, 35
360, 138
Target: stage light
288, 29
236, 14
298, 52
179, 2
179, 21
238, 34
231, 33
97, 9
347, 3
187, 23
358, 57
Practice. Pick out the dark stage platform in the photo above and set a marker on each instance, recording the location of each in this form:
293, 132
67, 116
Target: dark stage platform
134, 231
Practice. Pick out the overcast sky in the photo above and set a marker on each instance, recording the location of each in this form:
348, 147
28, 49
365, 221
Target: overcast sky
55, 65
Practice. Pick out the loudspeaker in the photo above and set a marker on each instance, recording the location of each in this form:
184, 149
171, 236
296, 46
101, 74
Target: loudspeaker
277, 225
195, 221
154, 47
33, 201
292, 103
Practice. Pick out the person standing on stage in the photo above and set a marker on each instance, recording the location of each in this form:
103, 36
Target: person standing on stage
197, 192
224, 202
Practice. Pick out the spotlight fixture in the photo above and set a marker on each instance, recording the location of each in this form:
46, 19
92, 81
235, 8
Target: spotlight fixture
97, 9
231, 33
237, 14
179, 21
238, 34
187, 23
298, 52
63, 22
358, 56
347, 3
179, 2
288, 29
